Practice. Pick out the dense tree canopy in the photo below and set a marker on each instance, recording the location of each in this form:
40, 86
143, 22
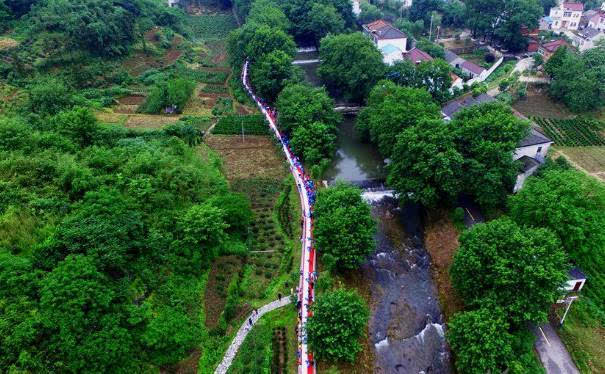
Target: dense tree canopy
578, 80
338, 322
306, 15
425, 165
270, 74
486, 136
481, 340
391, 109
518, 269
568, 203
265, 12
344, 228
314, 142
433, 75
350, 65
301, 105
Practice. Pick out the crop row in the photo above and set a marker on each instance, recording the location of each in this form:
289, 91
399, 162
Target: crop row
250, 125
573, 132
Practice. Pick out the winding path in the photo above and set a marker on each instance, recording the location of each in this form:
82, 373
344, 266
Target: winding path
305, 292
243, 331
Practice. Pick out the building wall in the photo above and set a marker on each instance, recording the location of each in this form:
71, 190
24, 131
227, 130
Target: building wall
399, 43
532, 151
391, 58
597, 22
563, 19
521, 178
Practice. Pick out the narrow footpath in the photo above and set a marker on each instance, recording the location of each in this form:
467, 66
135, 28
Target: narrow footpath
305, 292
243, 331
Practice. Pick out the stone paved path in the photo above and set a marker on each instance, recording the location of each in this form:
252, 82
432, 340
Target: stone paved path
243, 331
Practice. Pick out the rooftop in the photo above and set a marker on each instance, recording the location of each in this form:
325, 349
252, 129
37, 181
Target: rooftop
574, 7
474, 68
389, 48
450, 56
384, 30
417, 55
576, 273
589, 33
528, 163
554, 45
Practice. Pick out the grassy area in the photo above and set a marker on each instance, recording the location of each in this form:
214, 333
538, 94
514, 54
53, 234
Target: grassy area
573, 132
585, 343
234, 125
271, 345
588, 159
539, 104
212, 26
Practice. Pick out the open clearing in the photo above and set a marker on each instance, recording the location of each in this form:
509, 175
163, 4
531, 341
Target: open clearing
589, 159
538, 104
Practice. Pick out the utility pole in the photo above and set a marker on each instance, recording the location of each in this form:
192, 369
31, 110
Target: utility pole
431, 28
243, 135
569, 301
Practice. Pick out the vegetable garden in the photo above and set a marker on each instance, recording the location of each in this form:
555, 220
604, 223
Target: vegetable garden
232, 125
573, 132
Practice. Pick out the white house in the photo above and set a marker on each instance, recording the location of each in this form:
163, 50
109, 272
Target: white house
566, 16
597, 21
532, 149
356, 8
585, 39
471, 69
173, 3
388, 39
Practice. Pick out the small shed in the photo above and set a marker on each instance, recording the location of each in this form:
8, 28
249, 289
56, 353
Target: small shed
576, 280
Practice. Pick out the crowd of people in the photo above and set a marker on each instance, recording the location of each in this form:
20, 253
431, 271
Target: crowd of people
307, 274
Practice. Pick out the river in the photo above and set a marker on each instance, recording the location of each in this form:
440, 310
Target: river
406, 323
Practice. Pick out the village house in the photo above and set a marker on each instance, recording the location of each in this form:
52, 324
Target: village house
585, 39
531, 150
548, 49
467, 67
597, 21
391, 42
416, 56
566, 16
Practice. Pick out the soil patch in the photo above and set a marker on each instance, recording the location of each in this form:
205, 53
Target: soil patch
149, 121
132, 100
8, 43
250, 157
223, 270
441, 241
187, 366
171, 56
538, 104
589, 159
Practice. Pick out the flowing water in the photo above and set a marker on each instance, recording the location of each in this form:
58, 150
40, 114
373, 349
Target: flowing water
406, 323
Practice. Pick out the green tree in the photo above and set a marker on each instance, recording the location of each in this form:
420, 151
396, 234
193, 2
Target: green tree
486, 136
78, 124
238, 213
568, 203
518, 269
403, 73
301, 105
369, 13
169, 336
266, 12
425, 165
49, 97
314, 142
393, 108
454, 13
20, 7
270, 73
338, 322
435, 76
434, 50
88, 326
517, 13
350, 65
324, 20
265, 39
480, 340
344, 228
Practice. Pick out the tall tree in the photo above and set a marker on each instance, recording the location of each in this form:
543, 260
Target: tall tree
425, 165
518, 269
323, 20
350, 65
270, 73
301, 105
486, 136
338, 322
517, 13
265, 40
344, 228
314, 142
393, 108
568, 203
266, 12
435, 76
481, 340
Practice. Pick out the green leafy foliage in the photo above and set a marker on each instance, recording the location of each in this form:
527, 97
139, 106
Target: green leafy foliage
338, 322
568, 203
390, 110
173, 94
350, 65
300, 105
344, 228
519, 270
254, 124
305, 16
314, 142
426, 165
578, 80
573, 132
270, 73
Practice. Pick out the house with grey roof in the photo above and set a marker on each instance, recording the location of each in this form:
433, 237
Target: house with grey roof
391, 42
472, 69
531, 150
586, 38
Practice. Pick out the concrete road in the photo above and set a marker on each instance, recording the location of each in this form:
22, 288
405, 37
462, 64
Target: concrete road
552, 352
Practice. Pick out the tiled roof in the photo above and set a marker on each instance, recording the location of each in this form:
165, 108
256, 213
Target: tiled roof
527, 163
384, 30
576, 273
589, 33
450, 56
535, 137
417, 55
457, 105
474, 68
574, 7
554, 45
